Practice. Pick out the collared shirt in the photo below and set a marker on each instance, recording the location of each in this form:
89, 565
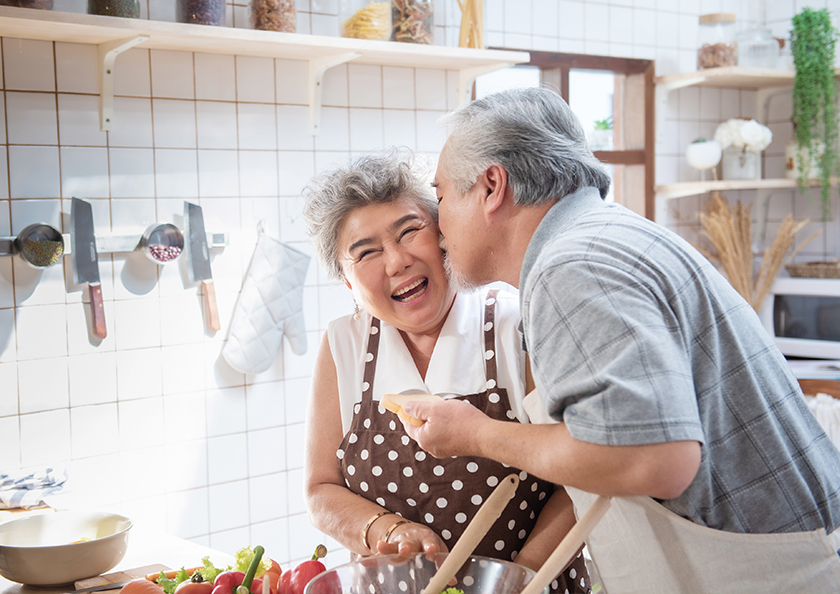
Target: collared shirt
635, 338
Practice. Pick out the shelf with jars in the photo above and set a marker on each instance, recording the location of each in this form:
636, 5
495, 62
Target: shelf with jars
114, 35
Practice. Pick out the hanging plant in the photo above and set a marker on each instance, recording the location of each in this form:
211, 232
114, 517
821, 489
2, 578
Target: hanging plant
815, 114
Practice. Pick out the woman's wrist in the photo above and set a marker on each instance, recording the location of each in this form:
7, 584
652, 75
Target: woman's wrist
367, 542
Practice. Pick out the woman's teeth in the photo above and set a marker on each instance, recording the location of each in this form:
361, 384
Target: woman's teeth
412, 291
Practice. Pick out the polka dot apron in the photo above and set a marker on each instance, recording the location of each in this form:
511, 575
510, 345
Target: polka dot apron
381, 463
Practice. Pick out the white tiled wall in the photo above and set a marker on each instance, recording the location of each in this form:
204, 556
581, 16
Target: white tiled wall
151, 421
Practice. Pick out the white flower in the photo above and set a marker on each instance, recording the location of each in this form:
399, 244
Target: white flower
745, 134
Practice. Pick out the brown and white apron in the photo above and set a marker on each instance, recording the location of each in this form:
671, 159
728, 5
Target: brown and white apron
382, 463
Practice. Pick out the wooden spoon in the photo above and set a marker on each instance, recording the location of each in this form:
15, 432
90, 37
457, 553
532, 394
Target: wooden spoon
484, 518
568, 547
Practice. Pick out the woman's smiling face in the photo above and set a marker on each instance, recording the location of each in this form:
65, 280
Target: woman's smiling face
392, 261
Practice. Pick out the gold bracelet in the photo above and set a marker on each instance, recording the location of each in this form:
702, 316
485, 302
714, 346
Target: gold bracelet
391, 529
366, 529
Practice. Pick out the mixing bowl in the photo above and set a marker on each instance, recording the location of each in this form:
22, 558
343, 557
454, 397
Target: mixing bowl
392, 574
62, 547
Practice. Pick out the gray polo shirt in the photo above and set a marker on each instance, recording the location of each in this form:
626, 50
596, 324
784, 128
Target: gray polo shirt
635, 338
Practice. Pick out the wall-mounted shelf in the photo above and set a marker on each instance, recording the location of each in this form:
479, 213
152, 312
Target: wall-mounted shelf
116, 34
678, 190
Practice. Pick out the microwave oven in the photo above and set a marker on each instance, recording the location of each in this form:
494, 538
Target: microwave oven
803, 317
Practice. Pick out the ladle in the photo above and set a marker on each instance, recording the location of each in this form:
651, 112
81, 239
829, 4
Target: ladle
484, 518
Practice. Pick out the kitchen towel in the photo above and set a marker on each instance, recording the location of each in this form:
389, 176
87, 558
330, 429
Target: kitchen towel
28, 489
270, 305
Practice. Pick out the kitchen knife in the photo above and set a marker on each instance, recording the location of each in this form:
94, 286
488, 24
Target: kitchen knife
198, 261
86, 260
101, 587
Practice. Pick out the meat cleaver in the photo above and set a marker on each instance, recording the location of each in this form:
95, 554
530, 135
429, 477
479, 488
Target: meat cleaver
86, 261
198, 262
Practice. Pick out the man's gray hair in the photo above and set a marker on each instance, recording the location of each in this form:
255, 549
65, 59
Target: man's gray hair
377, 178
533, 134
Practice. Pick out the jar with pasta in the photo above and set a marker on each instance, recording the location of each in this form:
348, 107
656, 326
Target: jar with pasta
716, 41
274, 15
414, 21
363, 19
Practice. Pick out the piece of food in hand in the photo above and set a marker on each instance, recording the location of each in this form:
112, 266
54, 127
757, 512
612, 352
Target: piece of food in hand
141, 586
394, 403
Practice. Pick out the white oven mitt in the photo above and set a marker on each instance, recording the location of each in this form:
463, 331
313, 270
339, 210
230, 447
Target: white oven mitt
269, 306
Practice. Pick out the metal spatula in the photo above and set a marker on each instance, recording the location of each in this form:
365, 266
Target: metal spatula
484, 518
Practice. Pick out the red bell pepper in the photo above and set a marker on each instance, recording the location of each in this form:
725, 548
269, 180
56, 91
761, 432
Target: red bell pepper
295, 580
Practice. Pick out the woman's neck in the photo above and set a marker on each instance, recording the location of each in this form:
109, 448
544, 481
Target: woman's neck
421, 346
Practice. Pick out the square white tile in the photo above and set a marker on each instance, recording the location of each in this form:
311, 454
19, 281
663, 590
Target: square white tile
32, 118
78, 121
258, 173
292, 81
10, 442
174, 123
227, 458
75, 68
34, 449
42, 385
254, 79
257, 126
135, 468
398, 87
9, 396
191, 458
218, 173
176, 173
431, 89
399, 128
266, 451
28, 64
229, 506
296, 169
132, 125
137, 323
293, 131
187, 512
4, 176
295, 446
132, 172
182, 368
181, 320
177, 408
8, 346
265, 405
93, 379
41, 332
87, 475
141, 423
84, 172
34, 172
138, 373
365, 85
366, 129
430, 134
215, 77
335, 132
217, 125
172, 74
226, 411
268, 498
335, 87
133, 76
94, 430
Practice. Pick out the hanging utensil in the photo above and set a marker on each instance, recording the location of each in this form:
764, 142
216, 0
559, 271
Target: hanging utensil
484, 518
198, 262
86, 261
568, 547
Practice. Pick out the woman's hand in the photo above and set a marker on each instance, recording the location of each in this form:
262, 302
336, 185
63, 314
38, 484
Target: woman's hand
411, 538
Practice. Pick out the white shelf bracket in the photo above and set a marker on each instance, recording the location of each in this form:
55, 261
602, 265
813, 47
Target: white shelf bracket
107, 53
661, 93
317, 68
762, 101
467, 76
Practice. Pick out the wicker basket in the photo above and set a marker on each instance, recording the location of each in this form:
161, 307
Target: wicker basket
830, 269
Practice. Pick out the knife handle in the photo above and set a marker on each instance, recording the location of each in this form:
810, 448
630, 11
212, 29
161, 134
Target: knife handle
211, 310
97, 311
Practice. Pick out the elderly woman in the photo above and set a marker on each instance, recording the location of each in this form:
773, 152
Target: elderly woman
369, 486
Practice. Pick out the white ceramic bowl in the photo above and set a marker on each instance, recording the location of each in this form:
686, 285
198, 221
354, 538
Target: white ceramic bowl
392, 574
45, 550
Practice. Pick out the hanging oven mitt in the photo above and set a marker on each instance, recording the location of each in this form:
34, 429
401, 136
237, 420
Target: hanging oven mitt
269, 306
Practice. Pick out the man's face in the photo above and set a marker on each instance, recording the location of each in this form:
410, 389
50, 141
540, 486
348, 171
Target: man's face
462, 225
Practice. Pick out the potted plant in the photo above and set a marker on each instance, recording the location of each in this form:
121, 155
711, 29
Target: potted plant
601, 137
815, 113
742, 141
703, 154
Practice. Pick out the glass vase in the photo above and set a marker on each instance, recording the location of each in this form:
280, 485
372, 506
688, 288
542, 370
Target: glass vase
741, 164
119, 8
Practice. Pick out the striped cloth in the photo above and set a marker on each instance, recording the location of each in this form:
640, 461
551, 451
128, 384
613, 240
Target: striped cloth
30, 489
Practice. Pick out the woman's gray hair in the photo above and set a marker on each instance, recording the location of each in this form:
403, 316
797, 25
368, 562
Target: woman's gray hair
377, 178
533, 134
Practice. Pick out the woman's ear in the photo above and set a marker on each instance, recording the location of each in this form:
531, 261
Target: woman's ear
347, 283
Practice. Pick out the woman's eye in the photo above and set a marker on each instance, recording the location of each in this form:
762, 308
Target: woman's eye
364, 254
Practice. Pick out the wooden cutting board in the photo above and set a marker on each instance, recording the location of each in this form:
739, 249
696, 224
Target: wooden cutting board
120, 576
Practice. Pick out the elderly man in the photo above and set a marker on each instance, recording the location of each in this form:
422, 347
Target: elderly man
664, 389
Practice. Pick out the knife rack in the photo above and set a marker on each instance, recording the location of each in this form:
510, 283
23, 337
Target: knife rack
111, 244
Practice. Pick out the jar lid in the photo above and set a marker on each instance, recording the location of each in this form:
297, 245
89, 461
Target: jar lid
717, 17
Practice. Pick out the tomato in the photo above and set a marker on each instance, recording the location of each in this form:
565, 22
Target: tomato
141, 586
190, 587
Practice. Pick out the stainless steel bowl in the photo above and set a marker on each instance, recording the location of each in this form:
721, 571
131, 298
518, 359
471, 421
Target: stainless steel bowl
162, 243
40, 245
392, 574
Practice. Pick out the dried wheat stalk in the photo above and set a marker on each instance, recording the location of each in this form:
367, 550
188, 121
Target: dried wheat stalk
730, 233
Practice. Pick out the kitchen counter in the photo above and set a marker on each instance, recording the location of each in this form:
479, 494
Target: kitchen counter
144, 548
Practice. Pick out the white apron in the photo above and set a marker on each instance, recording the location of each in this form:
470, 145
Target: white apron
641, 547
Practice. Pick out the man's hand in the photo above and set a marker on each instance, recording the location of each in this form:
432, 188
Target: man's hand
450, 428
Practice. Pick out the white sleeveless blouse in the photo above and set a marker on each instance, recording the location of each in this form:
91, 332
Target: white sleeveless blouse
457, 363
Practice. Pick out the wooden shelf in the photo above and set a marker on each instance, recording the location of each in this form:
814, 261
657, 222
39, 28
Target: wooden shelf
114, 35
729, 77
678, 190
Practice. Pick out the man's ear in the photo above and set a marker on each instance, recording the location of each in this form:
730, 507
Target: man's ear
496, 187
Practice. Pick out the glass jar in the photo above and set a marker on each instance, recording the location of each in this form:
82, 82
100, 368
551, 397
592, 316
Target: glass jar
119, 8
757, 48
414, 21
42, 4
365, 19
201, 12
716, 41
741, 164
274, 15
